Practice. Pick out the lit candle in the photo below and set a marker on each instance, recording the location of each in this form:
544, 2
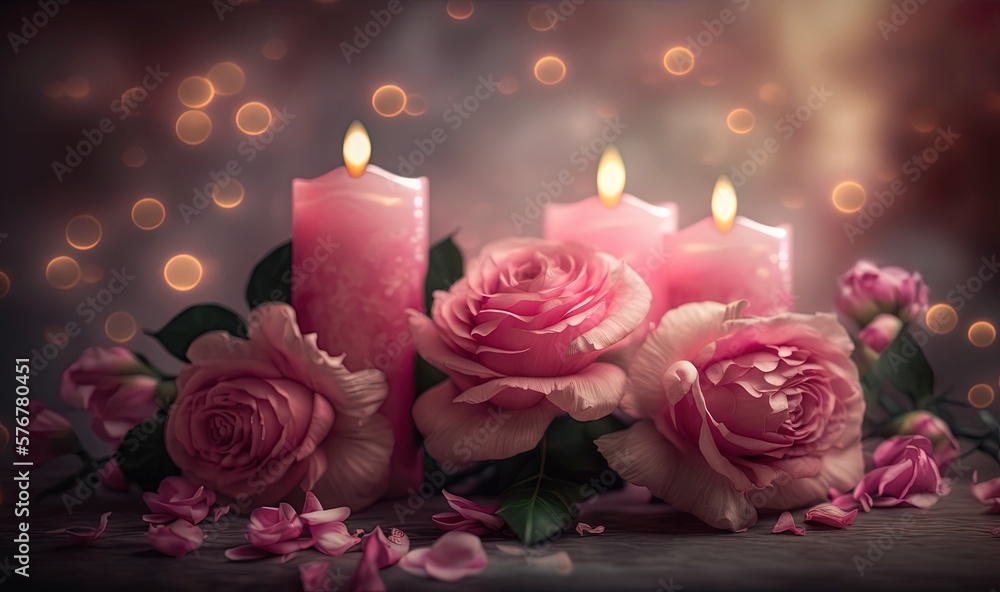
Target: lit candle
619, 224
728, 257
359, 253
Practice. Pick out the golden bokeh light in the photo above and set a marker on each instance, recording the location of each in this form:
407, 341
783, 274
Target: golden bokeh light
193, 127
195, 92
849, 197
227, 78
274, 49
460, 9
740, 121
83, 232
182, 272
982, 334
389, 100
229, 195
508, 86
134, 157
357, 149
91, 273
941, 319
924, 120
678, 61
416, 105
772, 93
63, 273
253, 118
724, 204
77, 87
148, 213
4, 284
610, 177
550, 70
120, 327
981, 396
542, 17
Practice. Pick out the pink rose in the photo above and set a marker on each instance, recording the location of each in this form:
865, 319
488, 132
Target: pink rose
740, 413
116, 388
905, 474
932, 427
51, 434
176, 539
264, 417
178, 498
867, 290
879, 333
519, 337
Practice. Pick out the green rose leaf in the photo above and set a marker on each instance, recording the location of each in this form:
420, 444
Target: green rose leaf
178, 334
903, 364
540, 507
271, 279
143, 455
444, 268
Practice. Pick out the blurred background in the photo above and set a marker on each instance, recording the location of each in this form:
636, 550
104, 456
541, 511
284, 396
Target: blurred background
120, 115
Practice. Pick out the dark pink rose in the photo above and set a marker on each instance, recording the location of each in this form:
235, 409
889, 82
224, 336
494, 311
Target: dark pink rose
51, 434
116, 388
932, 427
867, 290
273, 416
520, 336
739, 413
176, 539
905, 474
178, 498
879, 333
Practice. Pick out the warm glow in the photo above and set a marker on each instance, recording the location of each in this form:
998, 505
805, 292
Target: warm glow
120, 327
416, 105
83, 232
941, 319
227, 78
134, 157
193, 127
982, 334
550, 70
610, 177
389, 100
508, 86
63, 273
148, 213
134, 100
182, 272
740, 121
678, 61
195, 92
77, 87
228, 195
253, 118
459, 9
274, 49
724, 204
772, 93
4, 284
981, 396
924, 120
849, 197
542, 18
91, 273
357, 149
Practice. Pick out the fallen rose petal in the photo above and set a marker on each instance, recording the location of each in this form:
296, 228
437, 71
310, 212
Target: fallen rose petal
455, 555
559, 563
468, 516
159, 518
377, 552
996, 531
987, 492
831, 515
514, 550
180, 498
314, 576
218, 512
176, 539
787, 523
84, 535
246, 553
583, 529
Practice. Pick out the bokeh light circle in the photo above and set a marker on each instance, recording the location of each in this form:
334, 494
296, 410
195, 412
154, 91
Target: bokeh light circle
772, 93
981, 396
550, 70
849, 197
63, 273
460, 9
193, 127
182, 272
120, 327
508, 85
229, 195
740, 121
389, 100
941, 319
195, 92
91, 273
274, 49
83, 232
134, 100
253, 118
982, 334
134, 157
416, 105
227, 78
678, 61
148, 213
542, 17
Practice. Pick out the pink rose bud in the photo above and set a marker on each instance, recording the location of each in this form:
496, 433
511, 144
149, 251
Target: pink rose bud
867, 290
879, 333
178, 498
117, 389
932, 427
905, 474
51, 434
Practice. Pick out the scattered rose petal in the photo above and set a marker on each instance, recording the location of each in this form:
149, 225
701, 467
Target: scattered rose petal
159, 518
455, 555
326, 527
178, 497
377, 552
246, 553
84, 535
787, 523
272, 531
468, 516
559, 563
987, 492
996, 531
583, 529
176, 539
831, 515
315, 577
514, 550
218, 512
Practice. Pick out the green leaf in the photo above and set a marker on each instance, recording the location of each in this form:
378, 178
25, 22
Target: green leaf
903, 364
271, 279
571, 452
444, 268
178, 334
143, 455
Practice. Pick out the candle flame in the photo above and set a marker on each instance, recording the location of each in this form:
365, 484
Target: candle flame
724, 204
357, 149
610, 177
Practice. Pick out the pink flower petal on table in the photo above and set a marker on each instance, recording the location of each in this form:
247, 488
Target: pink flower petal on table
559, 563
246, 553
514, 550
315, 577
455, 555
583, 529
176, 539
996, 531
787, 523
468, 516
987, 492
84, 535
377, 552
218, 512
831, 515
159, 518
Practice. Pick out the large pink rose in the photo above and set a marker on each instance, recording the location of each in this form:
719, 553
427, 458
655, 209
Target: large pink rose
867, 290
520, 336
116, 388
271, 417
741, 413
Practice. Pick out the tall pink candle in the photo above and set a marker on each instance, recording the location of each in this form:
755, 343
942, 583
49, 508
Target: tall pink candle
354, 297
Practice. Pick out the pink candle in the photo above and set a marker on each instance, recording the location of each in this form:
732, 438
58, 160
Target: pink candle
354, 294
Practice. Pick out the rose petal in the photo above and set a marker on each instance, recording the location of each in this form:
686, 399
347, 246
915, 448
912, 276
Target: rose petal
831, 515
84, 535
630, 300
515, 550
455, 555
159, 518
583, 528
314, 576
787, 523
469, 517
559, 563
218, 512
378, 551
246, 553
176, 539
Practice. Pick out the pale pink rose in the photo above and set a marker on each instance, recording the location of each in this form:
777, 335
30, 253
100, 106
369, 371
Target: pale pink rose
519, 337
117, 389
176, 497
740, 413
932, 427
468, 516
85, 535
905, 474
271, 417
867, 290
879, 333
454, 556
175, 539
52, 435
987, 492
